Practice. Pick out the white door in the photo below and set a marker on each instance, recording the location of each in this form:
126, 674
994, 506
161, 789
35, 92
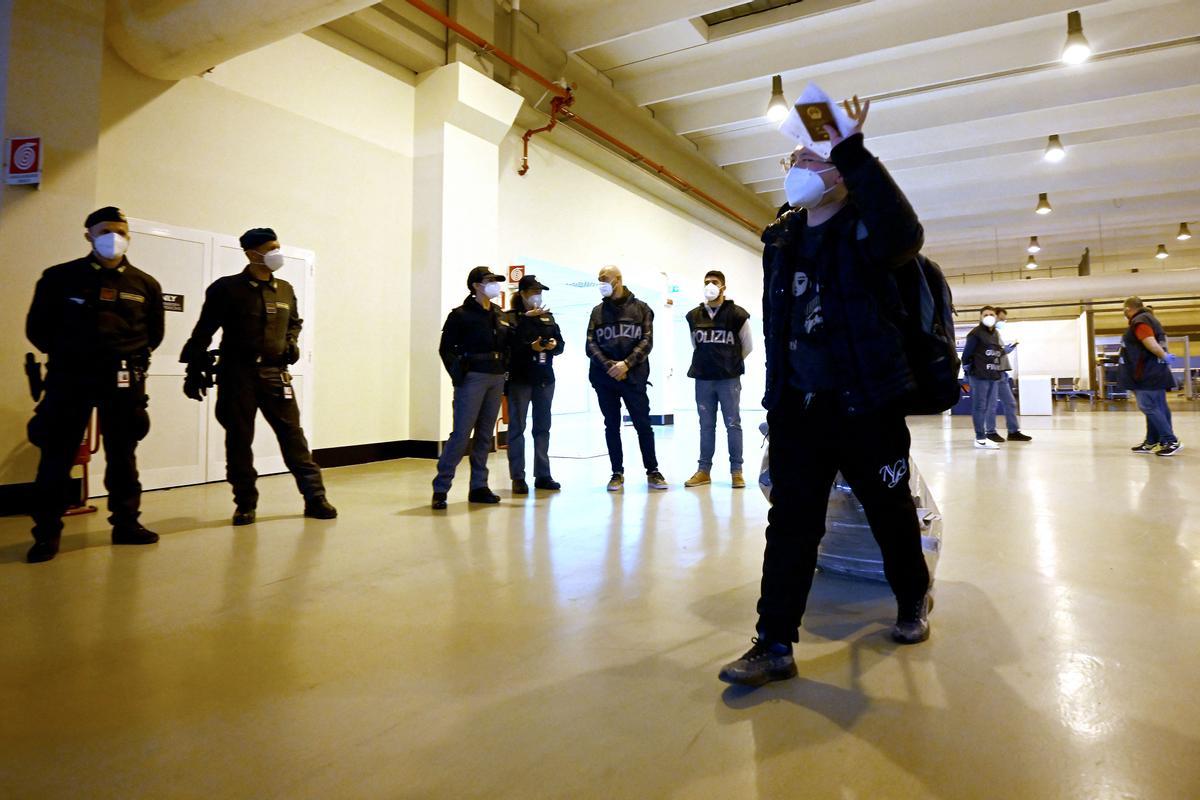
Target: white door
175, 451
228, 259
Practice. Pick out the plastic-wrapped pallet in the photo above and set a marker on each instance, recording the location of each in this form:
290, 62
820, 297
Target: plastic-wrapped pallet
848, 548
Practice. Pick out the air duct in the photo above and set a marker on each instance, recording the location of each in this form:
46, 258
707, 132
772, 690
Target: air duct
1093, 288
175, 39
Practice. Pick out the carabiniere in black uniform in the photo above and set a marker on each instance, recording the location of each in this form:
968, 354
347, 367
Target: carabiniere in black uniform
98, 324
261, 328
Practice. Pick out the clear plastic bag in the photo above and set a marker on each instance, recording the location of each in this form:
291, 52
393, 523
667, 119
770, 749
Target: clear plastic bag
848, 547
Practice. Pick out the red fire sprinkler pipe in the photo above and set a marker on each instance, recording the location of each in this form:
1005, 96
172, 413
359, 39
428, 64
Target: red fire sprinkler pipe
559, 108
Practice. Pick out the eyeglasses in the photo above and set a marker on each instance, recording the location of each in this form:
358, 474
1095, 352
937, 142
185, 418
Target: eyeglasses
801, 158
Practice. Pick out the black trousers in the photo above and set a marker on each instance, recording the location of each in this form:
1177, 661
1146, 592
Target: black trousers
610, 393
243, 391
57, 428
808, 448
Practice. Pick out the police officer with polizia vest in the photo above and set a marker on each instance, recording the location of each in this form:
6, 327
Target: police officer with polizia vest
474, 350
260, 322
721, 340
536, 341
97, 318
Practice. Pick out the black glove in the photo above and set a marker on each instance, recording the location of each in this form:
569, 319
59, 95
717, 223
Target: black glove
195, 384
292, 352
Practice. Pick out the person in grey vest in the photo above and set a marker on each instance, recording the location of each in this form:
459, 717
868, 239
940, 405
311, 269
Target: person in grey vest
1146, 371
474, 350
721, 340
1004, 389
981, 364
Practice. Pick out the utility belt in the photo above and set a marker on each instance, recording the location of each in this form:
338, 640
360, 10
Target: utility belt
250, 360
484, 362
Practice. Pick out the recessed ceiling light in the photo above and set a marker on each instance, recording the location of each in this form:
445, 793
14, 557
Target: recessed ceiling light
1162, 252
1034, 247
1077, 49
1043, 206
1054, 150
1184, 234
778, 108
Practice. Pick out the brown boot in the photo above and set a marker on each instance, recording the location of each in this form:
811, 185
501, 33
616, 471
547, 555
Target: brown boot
699, 479
738, 481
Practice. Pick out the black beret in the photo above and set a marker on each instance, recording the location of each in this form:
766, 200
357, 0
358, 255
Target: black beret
106, 214
255, 237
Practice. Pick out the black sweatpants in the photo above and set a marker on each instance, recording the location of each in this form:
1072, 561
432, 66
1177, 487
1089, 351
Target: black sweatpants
243, 391
808, 448
57, 428
610, 393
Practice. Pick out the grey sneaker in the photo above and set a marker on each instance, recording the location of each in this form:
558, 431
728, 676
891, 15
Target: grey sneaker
655, 480
617, 482
912, 623
766, 661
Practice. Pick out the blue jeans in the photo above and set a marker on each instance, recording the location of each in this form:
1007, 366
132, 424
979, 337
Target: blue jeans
728, 394
476, 406
983, 404
520, 397
1009, 402
1153, 403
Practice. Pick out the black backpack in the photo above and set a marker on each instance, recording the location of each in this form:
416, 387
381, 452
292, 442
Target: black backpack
928, 330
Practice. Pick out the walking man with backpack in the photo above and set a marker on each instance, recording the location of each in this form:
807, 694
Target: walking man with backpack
838, 384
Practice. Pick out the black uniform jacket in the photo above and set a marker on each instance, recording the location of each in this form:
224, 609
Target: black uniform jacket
259, 320
526, 364
474, 339
85, 314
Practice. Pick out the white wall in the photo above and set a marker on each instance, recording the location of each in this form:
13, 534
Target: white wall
1057, 348
571, 213
302, 138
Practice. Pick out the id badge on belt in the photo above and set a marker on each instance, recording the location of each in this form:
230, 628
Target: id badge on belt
288, 393
123, 376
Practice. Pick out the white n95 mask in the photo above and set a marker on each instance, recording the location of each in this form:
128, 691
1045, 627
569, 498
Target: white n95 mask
535, 301
989, 321
606, 290
491, 290
110, 245
804, 187
711, 291
273, 260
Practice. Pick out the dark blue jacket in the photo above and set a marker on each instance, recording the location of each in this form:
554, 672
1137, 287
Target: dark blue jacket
876, 232
1141, 369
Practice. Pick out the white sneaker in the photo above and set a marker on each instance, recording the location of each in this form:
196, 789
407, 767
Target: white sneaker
984, 444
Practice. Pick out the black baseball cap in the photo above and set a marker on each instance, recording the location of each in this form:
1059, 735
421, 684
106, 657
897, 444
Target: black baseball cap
482, 275
531, 282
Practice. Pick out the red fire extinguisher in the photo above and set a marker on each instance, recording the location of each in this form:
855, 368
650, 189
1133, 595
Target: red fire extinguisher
83, 456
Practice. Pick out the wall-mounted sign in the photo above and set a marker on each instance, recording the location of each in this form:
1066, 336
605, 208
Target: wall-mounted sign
172, 302
23, 160
515, 273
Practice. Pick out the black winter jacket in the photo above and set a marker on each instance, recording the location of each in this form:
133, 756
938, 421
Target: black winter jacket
527, 365
620, 330
260, 322
876, 232
474, 339
983, 354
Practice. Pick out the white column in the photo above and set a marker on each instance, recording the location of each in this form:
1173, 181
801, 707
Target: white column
462, 116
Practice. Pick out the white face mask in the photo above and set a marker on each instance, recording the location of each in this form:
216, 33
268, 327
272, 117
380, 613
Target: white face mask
606, 289
491, 290
110, 245
534, 301
1000, 324
989, 321
711, 291
804, 187
272, 260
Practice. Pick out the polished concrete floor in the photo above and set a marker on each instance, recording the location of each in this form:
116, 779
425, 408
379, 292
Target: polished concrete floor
567, 646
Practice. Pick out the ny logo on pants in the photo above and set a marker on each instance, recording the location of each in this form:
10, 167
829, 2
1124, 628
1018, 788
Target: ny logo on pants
892, 475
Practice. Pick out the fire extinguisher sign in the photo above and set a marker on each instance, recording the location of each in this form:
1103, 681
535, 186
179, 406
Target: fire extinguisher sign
23, 160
